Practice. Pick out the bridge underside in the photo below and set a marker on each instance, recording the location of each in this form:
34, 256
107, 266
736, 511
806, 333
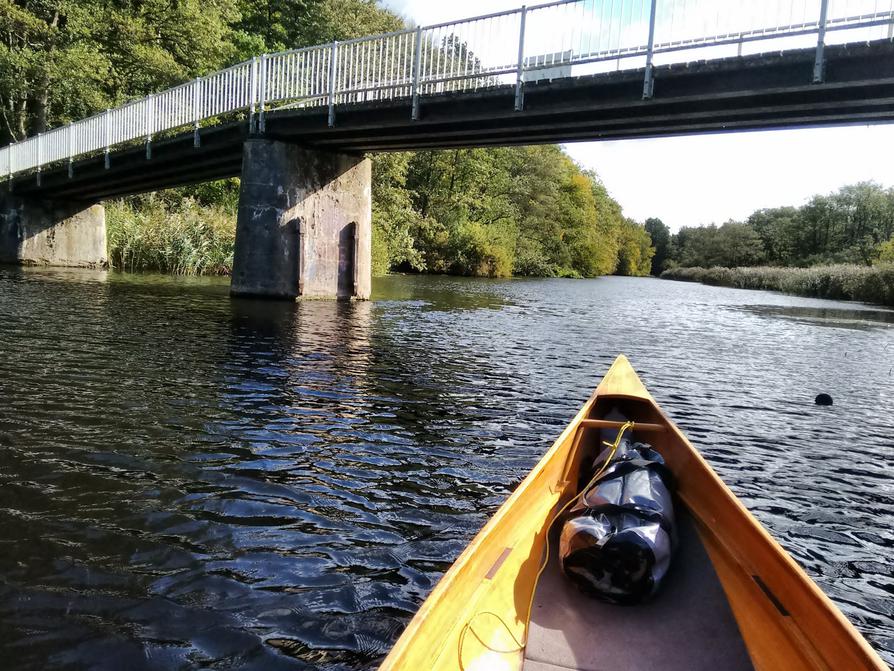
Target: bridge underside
304, 217
767, 91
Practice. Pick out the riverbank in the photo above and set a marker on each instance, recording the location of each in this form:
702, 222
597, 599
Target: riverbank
870, 284
579, 231
189, 239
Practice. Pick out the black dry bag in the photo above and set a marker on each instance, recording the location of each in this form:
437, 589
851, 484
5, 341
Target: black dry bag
616, 542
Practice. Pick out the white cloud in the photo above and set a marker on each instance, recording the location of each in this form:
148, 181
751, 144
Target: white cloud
710, 178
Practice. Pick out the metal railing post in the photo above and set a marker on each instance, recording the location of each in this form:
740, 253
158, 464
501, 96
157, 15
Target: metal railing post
819, 64
417, 64
520, 67
252, 93
150, 118
333, 54
196, 111
648, 81
262, 94
70, 151
38, 158
108, 136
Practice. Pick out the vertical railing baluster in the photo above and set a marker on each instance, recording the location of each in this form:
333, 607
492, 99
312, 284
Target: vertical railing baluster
333, 55
262, 94
39, 166
196, 111
819, 65
417, 57
150, 116
648, 81
70, 150
520, 66
252, 91
107, 130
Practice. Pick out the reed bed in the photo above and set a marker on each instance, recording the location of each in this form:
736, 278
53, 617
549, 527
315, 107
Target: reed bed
183, 239
870, 284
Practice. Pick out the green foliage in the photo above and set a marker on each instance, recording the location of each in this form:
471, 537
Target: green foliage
62, 60
843, 282
635, 250
884, 253
394, 221
733, 244
847, 226
147, 233
495, 212
660, 235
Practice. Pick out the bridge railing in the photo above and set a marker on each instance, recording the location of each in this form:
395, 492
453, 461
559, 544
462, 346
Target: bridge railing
551, 40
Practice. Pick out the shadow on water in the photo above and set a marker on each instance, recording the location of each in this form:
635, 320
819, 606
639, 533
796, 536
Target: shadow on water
864, 318
189, 480
443, 293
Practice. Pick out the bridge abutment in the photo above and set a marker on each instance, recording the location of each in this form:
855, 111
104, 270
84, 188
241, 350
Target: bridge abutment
36, 231
304, 224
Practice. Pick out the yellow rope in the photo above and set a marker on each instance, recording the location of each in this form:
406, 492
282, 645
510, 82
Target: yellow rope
467, 627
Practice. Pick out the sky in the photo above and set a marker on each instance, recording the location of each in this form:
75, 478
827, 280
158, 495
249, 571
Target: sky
703, 179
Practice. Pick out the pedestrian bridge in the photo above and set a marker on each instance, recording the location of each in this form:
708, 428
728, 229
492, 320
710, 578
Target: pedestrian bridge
295, 124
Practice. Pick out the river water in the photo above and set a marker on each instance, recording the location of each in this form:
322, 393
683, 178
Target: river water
188, 480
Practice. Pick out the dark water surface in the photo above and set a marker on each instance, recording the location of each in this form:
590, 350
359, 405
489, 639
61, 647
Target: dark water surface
191, 481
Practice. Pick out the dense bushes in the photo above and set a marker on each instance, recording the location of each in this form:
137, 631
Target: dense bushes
186, 238
873, 284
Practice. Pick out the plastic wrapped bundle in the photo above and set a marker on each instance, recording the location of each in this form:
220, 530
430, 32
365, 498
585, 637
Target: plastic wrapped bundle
617, 541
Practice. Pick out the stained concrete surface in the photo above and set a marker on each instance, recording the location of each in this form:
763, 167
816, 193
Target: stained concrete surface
304, 224
44, 232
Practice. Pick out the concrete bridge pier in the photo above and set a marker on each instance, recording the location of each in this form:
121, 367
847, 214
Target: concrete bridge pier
36, 231
304, 224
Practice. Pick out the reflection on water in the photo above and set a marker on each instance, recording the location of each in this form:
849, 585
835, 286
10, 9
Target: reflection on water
858, 317
188, 480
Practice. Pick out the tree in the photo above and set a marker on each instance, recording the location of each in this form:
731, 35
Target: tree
884, 253
738, 244
660, 236
733, 244
62, 60
635, 250
778, 229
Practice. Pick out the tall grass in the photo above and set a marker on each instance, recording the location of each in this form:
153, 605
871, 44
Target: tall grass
873, 284
185, 239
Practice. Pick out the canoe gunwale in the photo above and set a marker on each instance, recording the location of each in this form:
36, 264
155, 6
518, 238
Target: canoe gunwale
745, 555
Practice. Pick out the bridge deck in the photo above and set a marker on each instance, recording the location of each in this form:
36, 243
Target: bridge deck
765, 91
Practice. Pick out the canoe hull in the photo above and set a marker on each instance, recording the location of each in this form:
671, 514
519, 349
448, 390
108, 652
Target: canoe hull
477, 615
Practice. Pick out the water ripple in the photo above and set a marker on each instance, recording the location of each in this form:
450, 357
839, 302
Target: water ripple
188, 480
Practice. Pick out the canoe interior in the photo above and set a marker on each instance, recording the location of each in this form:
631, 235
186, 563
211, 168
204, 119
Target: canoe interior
478, 613
688, 626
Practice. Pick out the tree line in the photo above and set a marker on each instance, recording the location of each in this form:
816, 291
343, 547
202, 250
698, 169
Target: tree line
500, 212
491, 212
854, 225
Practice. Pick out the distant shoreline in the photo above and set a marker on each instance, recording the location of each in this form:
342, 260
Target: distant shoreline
869, 284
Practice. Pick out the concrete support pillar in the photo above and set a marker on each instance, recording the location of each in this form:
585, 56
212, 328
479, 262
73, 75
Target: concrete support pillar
304, 224
53, 233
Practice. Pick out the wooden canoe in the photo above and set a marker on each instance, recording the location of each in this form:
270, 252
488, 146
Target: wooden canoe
732, 599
